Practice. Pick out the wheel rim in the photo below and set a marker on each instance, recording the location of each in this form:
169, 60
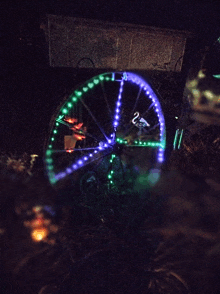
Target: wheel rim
112, 125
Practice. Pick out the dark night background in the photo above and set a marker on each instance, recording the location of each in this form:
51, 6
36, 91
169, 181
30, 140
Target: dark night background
31, 89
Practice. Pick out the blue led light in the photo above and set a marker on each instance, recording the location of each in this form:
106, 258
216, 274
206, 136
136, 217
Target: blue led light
85, 158
68, 170
60, 176
80, 162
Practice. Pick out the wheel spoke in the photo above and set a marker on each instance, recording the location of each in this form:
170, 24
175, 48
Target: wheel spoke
136, 101
82, 162
150, 144
93, 117
118, 106
106, 101
74, 149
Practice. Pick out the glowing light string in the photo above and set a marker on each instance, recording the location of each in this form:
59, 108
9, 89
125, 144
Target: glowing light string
81, 163
105, 147
118, 105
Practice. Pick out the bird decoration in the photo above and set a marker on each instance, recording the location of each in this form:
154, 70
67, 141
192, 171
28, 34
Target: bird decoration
139, 122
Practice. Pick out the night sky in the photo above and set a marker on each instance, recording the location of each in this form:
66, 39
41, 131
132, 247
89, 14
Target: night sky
30, 86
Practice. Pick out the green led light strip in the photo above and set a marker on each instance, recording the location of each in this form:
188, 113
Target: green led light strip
141, 143
73, 99
178, 139
111, 172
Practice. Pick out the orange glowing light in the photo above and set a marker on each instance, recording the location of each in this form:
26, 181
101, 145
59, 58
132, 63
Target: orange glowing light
79, 137
37, 222
71, 120
78, 126
39, 234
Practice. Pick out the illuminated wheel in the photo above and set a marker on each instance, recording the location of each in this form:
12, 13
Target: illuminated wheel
112, 128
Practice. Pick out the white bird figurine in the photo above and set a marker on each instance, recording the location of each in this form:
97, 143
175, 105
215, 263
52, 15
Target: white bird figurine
139, 122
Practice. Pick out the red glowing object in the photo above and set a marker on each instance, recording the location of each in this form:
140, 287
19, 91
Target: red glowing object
69, 150
77, 127
71, 120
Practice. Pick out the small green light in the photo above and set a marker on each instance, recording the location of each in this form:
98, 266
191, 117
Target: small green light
53, 180
74, 99
69, 104
96, 81
49, 160
90, 85
64, 110
49, 146
50, 167
217, 76
85, 89
111, 182
112, 171
78, 93
107, 78
101, 78
52, 139
55, 131
57, 124
48, 152
109, 176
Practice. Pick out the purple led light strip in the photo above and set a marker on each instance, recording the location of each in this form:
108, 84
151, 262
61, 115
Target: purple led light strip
118, 104
83, 161
149, 92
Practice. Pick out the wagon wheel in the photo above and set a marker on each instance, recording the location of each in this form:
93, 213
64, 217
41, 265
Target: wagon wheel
111, 127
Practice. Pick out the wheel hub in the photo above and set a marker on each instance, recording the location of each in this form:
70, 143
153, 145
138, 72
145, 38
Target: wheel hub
118, 148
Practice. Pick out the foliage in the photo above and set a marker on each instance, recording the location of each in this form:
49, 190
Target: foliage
164, 242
